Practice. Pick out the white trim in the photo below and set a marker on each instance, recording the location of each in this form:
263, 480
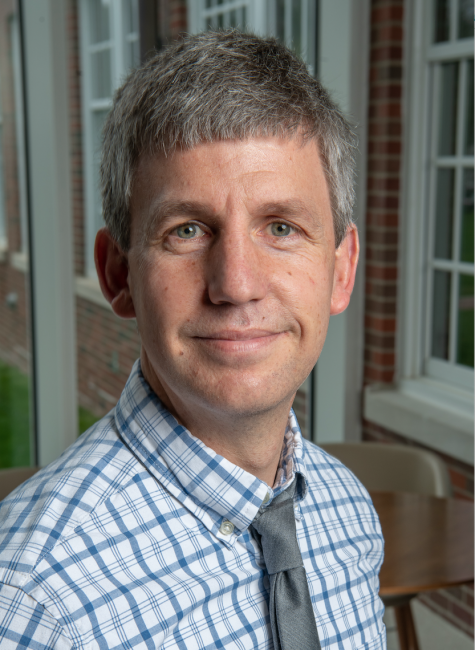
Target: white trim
52, 282
424, 412
343, 70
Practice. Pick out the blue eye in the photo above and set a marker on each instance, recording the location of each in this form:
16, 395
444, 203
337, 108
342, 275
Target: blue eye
189, 231
280, 229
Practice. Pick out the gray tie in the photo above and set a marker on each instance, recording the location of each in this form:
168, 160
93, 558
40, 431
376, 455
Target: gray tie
291, 612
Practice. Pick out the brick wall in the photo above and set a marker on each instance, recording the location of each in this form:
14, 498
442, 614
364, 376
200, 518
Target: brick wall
382, 227
384, 170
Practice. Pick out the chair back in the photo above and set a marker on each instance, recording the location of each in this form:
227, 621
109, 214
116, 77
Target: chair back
394, 468
13, 477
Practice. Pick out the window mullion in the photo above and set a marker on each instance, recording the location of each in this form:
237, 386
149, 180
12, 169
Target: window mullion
453, 20
430, 220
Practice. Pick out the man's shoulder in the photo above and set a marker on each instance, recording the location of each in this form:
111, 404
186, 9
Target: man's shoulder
36, 516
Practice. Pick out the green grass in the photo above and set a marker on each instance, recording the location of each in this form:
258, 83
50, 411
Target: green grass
15, 417
86, 419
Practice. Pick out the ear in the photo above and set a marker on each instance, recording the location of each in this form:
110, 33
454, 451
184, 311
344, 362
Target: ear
346, 261
113, 273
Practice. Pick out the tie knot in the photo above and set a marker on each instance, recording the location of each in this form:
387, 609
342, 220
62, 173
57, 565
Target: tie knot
278, 535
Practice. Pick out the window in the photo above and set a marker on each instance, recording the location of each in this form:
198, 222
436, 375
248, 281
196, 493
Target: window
3, 217
293, 22
109, 50
19, 131
438, 248
448, 350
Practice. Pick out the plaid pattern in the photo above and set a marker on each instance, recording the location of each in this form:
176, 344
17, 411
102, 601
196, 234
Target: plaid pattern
117, 544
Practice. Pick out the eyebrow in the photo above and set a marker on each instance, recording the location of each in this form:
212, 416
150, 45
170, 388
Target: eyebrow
164, 211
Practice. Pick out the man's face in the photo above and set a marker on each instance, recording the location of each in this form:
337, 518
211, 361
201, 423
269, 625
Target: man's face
232, 271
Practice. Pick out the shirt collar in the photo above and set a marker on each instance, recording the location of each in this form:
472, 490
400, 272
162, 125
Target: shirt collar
207, 484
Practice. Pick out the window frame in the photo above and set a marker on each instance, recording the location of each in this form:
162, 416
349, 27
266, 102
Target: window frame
118, 40
417, 233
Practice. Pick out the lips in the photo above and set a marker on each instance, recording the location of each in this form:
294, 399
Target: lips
236, 335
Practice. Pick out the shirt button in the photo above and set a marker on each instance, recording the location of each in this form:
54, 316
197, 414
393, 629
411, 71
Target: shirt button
226, 527
266, 498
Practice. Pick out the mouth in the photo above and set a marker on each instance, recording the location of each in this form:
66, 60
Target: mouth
239, 342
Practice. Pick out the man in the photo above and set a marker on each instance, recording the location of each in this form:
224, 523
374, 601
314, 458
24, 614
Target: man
194, 515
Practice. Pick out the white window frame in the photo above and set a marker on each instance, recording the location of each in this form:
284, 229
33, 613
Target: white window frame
431, 402
119, 69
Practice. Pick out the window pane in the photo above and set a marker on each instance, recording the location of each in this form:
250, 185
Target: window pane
130, 16
441, 315
296, 25
16, 436
98, 119
99, 20
465, 27
468, 146
443, 214
442, 24
101, 74
448, 108
466, 235
465, 321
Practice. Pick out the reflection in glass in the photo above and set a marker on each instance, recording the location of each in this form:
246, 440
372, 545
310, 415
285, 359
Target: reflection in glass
448, 108
441, 315
443, 214
465, 26
441, 23
468, 138
296, 24
465, 321
466, 230
99, 21
101, 74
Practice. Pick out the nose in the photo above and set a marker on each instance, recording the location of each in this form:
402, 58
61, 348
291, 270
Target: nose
236, 271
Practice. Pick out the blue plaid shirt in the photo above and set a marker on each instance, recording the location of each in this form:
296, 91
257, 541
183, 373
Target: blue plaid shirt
138, 537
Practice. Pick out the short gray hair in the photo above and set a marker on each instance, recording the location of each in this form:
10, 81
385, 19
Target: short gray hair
220, 86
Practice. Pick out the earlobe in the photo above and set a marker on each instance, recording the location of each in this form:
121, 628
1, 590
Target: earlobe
346, 261
113, 273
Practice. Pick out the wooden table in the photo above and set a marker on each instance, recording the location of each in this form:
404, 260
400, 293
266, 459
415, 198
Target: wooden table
428, 545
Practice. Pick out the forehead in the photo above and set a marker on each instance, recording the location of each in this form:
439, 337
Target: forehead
228, 172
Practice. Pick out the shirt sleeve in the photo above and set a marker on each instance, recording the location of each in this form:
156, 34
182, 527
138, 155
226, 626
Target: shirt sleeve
24, 623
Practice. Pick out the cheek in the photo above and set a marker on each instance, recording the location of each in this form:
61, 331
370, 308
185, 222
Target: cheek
168, 295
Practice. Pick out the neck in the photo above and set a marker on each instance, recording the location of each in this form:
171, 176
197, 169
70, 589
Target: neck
250, 441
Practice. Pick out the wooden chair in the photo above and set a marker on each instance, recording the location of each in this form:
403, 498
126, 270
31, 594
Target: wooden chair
396, 468
13, 477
